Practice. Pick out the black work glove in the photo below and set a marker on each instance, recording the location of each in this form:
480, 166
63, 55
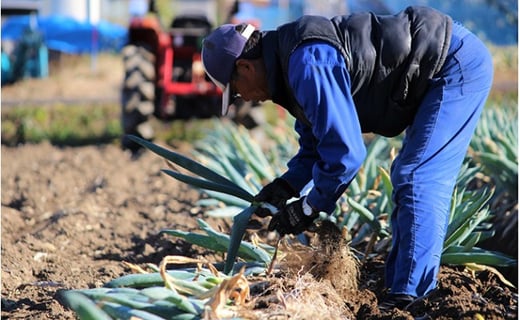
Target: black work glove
292, 218
276, 193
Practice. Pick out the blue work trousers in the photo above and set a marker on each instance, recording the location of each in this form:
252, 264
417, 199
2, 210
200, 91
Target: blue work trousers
424, 172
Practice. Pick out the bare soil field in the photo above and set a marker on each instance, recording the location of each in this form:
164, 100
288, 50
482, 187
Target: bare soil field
73, 80
71, 216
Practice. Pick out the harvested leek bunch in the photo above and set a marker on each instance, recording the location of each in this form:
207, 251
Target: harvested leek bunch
187, 293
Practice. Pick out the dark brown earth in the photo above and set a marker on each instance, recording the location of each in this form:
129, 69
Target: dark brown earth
71, 216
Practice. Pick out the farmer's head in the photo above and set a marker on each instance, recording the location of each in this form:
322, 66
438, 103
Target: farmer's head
232, 58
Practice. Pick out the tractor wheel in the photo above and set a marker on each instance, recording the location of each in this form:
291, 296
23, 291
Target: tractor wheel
138, 94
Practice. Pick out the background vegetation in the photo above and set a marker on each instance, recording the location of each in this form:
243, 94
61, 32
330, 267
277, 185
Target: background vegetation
486, 191
86, 122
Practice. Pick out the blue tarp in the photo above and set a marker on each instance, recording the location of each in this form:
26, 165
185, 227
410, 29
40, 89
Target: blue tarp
68, 35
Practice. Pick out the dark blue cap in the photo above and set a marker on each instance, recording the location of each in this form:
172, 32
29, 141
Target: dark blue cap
220, 50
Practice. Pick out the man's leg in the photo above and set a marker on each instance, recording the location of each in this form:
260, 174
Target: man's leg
425, 171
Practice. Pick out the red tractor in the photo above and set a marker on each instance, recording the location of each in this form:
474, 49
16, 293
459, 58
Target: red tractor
164, 76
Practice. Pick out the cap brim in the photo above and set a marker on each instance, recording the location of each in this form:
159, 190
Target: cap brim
226, 100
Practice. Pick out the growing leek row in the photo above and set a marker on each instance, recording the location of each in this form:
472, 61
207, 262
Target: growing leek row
231, 167
209, 179
365, 208
495, 147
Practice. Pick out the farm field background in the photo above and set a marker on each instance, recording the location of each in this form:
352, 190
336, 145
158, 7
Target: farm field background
75, 206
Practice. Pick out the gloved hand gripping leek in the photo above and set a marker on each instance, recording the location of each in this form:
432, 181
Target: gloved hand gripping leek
211, 180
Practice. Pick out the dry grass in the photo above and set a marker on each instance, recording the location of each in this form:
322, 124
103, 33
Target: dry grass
315, 281
505, 62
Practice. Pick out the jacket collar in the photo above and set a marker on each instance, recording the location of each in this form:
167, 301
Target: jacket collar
275, 77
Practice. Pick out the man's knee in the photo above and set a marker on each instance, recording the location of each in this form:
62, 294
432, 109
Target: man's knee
401, 177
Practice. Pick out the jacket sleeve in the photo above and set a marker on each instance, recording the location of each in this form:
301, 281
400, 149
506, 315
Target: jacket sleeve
332, 150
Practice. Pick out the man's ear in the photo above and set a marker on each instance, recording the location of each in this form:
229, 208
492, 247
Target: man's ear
244, 65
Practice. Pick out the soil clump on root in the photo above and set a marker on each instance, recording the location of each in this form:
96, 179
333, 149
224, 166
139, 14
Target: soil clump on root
315, 280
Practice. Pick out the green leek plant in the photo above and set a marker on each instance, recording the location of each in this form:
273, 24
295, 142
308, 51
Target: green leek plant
468, 225
495, 147
231, 168
231, 151
183, 293
367, 206
364, 209
208, 179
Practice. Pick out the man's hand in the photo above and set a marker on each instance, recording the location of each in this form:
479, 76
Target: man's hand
294, 218
276, 193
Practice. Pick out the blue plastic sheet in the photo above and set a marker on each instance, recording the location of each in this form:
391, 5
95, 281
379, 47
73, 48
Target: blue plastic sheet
68, 35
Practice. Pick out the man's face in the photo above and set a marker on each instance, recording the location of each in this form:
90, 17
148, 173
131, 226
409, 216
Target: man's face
250, 81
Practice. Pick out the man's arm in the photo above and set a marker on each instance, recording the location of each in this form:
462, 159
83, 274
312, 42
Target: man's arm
332, 151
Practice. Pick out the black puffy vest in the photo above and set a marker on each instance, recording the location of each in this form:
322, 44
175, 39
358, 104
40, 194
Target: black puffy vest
390, 60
